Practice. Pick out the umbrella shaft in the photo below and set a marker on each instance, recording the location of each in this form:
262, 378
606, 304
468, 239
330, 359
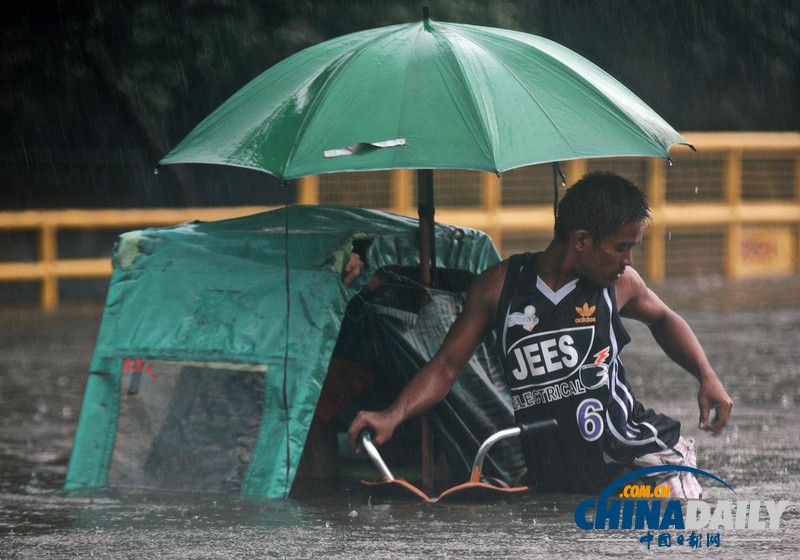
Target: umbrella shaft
426, 209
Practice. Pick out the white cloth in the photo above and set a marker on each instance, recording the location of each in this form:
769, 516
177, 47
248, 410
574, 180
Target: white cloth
682, 484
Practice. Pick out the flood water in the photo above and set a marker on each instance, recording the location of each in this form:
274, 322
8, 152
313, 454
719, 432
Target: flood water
750, 330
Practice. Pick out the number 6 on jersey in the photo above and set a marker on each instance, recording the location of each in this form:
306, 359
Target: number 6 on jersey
590, 422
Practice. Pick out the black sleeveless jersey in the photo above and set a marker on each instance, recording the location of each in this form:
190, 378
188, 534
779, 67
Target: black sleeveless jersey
560, 353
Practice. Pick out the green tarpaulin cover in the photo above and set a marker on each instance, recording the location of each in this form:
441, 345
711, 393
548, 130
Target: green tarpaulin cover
213, 296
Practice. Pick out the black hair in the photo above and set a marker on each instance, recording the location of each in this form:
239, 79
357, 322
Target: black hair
600, 203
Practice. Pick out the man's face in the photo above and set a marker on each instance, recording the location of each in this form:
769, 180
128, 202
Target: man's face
604, 262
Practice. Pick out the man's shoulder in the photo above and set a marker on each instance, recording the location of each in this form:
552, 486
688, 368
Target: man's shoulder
488, 286
493, 275
499, 271
630, 287
519, 262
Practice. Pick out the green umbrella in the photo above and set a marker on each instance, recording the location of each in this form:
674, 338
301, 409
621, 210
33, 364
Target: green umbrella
427, 95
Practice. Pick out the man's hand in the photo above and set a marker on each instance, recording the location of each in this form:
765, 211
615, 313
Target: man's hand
381, 423
353, 268
712, 395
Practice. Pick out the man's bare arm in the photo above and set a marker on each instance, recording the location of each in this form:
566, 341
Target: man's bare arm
432, 383
674, 335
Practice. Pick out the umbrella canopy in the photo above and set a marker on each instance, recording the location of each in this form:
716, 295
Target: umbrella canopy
425, 96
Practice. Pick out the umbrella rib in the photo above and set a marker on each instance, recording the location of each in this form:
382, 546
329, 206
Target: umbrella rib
473, 102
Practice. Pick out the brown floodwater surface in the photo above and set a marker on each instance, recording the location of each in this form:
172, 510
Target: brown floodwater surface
750, 331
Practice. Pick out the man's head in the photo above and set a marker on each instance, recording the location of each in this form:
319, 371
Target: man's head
600, 203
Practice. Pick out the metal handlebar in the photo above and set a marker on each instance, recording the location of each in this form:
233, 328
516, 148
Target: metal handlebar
372, 451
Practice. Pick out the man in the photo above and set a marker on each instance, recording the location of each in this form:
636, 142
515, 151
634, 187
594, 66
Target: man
557, 319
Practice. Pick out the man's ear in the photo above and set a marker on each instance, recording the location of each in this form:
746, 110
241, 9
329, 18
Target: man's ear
581, 240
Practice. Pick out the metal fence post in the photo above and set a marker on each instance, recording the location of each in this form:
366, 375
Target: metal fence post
308, 190
48, 253
733, 198
491, 190
657, 188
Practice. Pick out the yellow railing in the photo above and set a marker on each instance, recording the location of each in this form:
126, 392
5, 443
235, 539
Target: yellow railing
745, 187
740, 190
49, 268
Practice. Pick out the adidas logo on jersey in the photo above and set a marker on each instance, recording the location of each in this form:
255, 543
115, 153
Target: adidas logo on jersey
586, 314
